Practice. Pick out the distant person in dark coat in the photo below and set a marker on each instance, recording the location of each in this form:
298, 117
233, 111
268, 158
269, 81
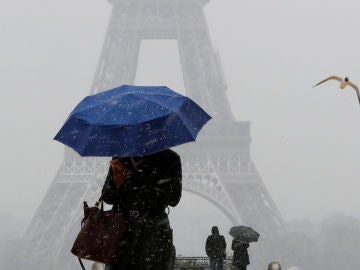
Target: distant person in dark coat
241, 256
216, 249
141, 189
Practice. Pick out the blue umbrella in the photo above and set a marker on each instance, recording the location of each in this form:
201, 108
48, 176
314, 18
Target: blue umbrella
132, 121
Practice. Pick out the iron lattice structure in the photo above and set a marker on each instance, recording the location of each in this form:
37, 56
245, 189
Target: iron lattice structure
217, 167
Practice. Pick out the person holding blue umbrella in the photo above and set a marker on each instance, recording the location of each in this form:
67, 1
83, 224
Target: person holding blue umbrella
137, 126
141, 189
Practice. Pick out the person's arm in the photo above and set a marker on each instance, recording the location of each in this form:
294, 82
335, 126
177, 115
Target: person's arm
207, 246
176, 181
168, 181
110, 193
223, 243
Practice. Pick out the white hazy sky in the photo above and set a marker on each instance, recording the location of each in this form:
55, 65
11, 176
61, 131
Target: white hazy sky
305, 140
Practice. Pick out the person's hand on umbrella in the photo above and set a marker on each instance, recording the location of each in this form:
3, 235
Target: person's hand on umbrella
120, 173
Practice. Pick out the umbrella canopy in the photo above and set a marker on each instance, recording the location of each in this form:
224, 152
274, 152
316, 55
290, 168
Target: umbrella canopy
132, 121
245, 234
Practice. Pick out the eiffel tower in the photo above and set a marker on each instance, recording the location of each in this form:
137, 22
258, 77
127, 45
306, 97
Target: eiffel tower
217, 167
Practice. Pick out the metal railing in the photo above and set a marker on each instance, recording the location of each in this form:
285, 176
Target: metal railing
182, 263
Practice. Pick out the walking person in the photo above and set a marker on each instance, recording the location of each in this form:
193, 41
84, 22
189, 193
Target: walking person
216, 249
141, 189
241, 256
242, 235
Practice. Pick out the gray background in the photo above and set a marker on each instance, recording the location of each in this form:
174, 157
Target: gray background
305, 140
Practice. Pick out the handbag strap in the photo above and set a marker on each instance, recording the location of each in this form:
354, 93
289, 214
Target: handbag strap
100, 200
81, 264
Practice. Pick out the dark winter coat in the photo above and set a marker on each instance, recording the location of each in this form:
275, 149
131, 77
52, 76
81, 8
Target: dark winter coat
241, 256
151, 187
215, 246
150, 190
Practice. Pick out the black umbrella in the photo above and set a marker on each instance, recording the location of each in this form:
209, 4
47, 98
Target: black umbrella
245, 234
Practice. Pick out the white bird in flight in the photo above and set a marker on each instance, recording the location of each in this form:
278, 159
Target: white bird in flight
343, 83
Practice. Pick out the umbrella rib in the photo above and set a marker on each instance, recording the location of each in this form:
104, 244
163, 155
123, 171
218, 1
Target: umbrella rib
153, 101
83, 135
175, 111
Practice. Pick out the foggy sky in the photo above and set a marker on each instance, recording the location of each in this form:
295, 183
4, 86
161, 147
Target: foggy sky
305, 141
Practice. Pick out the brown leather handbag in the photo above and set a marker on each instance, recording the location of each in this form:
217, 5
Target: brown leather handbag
101, 236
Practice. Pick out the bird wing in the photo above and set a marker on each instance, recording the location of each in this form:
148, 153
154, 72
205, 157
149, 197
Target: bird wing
330, 78
356, 89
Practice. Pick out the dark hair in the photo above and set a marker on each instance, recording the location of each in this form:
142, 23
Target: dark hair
215, 229
271, 265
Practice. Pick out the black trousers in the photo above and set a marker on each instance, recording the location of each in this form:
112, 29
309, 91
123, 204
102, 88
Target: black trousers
149, 246
216, 263
240, 267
